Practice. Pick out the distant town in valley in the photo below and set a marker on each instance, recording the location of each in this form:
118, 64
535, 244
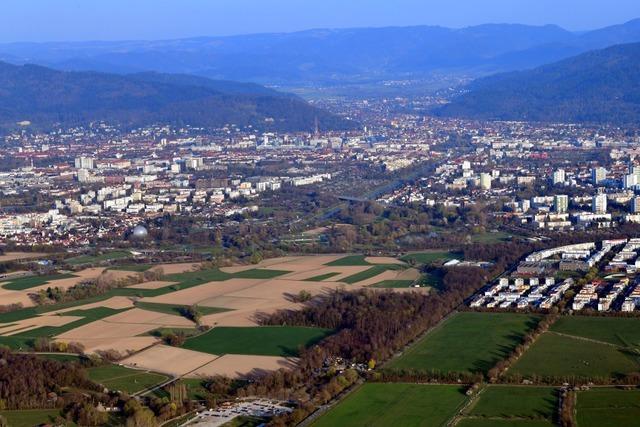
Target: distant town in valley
409, 225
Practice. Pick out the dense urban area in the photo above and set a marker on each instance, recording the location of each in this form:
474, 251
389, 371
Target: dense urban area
140, 264
372, 229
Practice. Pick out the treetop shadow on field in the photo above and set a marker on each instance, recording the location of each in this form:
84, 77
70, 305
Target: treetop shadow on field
257, 373
501, 352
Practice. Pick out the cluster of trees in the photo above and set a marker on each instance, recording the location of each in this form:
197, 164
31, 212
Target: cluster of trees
192, 313
424, 376
175, 339
370, 325
45, 344
567, 408
85, 413
87, 288
10, 307
29, 382
632, 378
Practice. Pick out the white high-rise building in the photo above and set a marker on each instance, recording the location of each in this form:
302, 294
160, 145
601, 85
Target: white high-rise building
630, 180
599, 203
561, 203
485, 181
598, 175
559, 176
84, 163
635, 204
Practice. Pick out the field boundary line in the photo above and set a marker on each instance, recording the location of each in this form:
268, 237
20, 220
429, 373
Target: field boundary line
472, 400
585, 339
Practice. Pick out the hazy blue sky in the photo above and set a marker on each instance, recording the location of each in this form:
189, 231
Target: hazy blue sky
47, 20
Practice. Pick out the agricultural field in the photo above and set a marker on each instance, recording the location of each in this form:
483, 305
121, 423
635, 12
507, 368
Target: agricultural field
620, 331
393, 284
29, 282
369, 273
263, 340
483, 422
131, 319
131, 267
194, 278
348, 261
558, 355
322, 277
513, 404
120, 378
18, 256
93, 259
30, 417
396, 405
492, 237
195, 389
467, 342
430, 256
608, 407
19, 339
245, 421
60, 357
177, 309
259, 273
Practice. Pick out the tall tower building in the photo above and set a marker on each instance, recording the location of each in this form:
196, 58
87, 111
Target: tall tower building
485, 181
598, 175
599, 203
559, 176
561, 203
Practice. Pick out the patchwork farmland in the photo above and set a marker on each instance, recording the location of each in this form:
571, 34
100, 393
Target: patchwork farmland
217, 309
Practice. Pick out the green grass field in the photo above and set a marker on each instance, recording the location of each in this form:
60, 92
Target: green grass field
92, 259
432, 279
31, 417
393, 284
349, 261
259, 273
555, 355
608, 407
621, 331
467, 342
177, 309
397, 405
195, 389
498, 401
429, 257
246, 421
321, 277
120, 378
491, 237
496, 422
260, 340
32, 281
194, 278
369, 273
132, 267
60, 357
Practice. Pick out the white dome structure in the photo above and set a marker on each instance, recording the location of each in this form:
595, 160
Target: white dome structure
140, 232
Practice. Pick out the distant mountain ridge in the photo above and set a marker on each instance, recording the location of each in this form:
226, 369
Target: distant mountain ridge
325, 56
48, 97
601, 86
